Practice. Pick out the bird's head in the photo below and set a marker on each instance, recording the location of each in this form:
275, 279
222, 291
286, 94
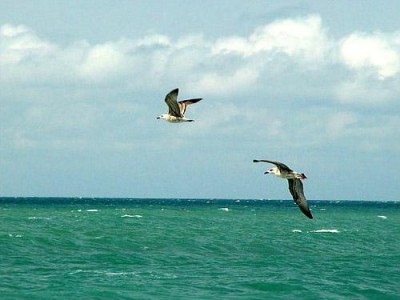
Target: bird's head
274, 171
162, 117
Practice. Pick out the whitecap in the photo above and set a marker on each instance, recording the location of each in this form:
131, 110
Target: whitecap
131, 216
326, 231
115, 273
382, 217
12, 235
296, 230
224, 209
38, 218
92, 210
124, 274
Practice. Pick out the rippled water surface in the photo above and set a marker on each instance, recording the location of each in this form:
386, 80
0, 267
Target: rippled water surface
197, 249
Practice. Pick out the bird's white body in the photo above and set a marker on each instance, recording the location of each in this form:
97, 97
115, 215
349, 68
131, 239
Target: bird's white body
173, 119
286, 175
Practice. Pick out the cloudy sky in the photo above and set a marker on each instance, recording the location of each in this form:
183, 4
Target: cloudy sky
314, 84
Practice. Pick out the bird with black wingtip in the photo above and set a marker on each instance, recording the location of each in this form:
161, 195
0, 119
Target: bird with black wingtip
295, 185
176, 110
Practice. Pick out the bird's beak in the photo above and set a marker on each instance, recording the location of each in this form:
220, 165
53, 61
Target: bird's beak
158, 118
266, 172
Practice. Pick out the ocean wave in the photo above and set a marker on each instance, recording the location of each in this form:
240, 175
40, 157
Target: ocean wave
39, 218
325, 231
131, 216
15, 235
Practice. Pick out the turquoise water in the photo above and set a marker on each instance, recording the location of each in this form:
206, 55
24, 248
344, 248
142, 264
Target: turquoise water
197, 249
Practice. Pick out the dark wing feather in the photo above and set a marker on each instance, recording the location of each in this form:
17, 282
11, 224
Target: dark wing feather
171, 100
281, 166
296, 189
184, 103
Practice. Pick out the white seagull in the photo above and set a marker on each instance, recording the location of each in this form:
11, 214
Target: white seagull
177, 109
295, 184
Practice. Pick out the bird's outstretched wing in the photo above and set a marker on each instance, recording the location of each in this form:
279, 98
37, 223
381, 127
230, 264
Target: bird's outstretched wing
171, 100
184, 103
296, 189
281, 166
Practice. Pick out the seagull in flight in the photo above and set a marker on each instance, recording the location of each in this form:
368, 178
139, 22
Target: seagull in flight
295, 184
177, 109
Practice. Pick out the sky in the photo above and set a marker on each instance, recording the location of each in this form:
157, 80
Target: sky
313, 84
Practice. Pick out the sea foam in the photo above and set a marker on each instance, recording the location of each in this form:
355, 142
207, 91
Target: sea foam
131, 216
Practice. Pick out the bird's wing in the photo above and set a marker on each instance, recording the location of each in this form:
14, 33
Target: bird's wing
281, 166
296, 189
172, 103
184, 103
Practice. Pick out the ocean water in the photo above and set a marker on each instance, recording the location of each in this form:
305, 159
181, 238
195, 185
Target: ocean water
63, 248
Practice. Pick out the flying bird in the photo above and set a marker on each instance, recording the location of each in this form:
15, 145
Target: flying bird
176, 113
295, 184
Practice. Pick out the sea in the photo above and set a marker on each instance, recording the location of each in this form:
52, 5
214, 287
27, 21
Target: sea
98, 248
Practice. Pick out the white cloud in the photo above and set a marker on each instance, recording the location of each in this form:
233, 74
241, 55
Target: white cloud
271, 55
192, 58
300, 38
101, 61
153, 40
8, 30
366, 91
379, 52
221, 83
19, 42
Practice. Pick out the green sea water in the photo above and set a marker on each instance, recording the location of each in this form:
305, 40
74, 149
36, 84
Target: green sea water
56, 248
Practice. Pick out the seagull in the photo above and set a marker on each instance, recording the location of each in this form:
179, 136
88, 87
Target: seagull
295, 184
177, 109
